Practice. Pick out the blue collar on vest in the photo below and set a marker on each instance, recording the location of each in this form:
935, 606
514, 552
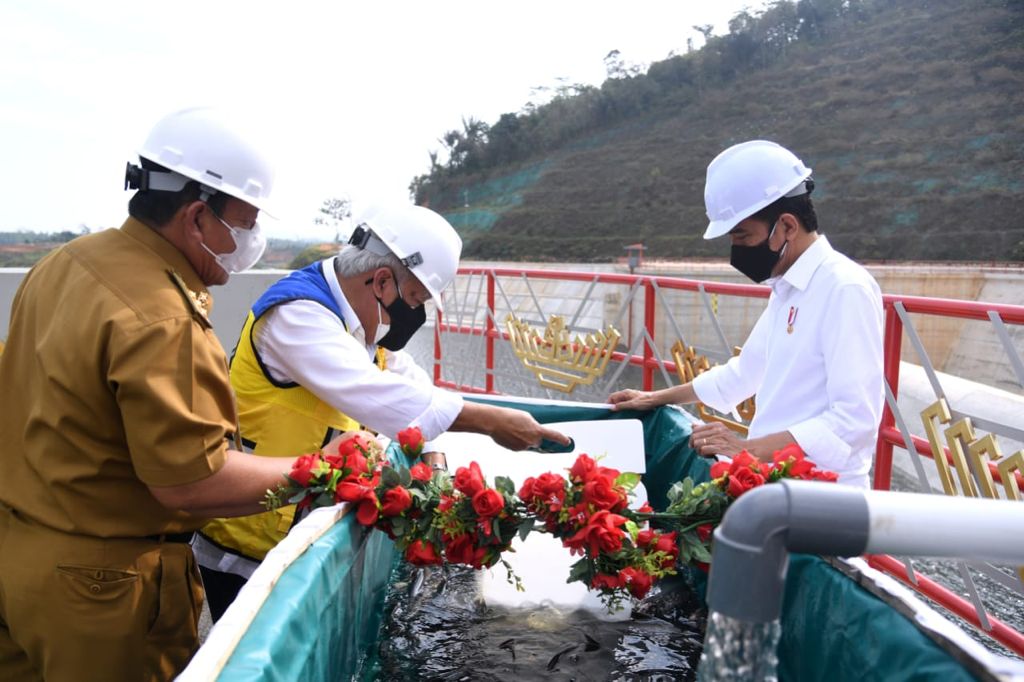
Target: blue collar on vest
305, 284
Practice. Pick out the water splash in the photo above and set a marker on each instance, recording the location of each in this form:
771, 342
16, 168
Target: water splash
738, 650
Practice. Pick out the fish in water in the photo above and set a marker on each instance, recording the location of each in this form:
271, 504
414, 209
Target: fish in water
553, 663
510, 645
416, 584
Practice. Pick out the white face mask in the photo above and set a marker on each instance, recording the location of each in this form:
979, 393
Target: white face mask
249, 247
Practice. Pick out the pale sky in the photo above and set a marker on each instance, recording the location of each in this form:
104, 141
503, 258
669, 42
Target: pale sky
349, 98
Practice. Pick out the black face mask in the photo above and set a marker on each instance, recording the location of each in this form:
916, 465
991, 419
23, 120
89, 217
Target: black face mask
756, 262
405, 321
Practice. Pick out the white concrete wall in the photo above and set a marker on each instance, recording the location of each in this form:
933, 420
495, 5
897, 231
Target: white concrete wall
230, 302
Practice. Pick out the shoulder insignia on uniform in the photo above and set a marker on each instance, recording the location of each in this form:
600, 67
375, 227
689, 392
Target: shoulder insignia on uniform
199, 302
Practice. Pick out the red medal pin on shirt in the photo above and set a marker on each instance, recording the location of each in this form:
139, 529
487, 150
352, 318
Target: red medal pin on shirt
792, 319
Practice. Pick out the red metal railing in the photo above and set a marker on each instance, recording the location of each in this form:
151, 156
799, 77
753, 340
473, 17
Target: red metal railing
888, 435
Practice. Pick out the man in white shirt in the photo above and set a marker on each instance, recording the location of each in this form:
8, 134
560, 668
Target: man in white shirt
814, 357
321, 352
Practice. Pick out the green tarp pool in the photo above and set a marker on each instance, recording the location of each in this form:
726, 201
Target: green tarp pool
313, 611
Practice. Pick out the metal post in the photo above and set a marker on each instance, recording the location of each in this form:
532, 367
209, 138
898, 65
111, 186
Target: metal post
648, 372
490, 333
893, 347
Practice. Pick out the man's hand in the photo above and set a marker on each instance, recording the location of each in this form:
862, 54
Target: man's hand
509, 428
716, 439
332, 447
630, 399
518, 430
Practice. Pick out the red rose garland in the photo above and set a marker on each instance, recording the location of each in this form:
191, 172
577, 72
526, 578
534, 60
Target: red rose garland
434, 517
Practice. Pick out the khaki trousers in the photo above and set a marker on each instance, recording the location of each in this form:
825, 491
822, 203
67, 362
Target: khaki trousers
81, 608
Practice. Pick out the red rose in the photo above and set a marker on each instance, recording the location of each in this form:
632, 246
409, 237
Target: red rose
445, 503
488, 503
719, 469
645, 508
527, 491
550, 488
349, 459
603, 581
822, 475
790, 452
645, 537
666, 542
582, 468
743, 460
352, 454
411, 441
420, 471
459, 550
578, 515
302, 469
602, 534
742, 481
704, 532
800, 468
469, 480
422, 553
636, 581
368, 510
601, 492
352, 491
396, 500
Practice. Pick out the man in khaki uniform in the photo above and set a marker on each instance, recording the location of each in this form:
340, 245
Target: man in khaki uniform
116, 414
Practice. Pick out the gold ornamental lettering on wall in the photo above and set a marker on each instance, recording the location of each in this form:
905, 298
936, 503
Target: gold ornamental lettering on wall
558, 361
968, 453
690, 365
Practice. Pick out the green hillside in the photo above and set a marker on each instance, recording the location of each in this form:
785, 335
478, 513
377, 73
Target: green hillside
911, 113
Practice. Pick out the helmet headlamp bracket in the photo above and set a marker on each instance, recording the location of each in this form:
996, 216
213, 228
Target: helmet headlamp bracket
136, 177
364, 238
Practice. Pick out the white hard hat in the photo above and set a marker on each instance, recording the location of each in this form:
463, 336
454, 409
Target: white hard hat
423, 240
198, 144
747, 177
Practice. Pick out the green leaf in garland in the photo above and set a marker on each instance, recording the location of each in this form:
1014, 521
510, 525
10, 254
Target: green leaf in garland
389, 478
504, 485
581, 570
628, 480
525, 527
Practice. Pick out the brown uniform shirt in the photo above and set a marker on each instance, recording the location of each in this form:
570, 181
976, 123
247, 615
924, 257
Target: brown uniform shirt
112, 380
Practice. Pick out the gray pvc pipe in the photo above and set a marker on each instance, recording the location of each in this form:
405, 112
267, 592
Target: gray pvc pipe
751, 547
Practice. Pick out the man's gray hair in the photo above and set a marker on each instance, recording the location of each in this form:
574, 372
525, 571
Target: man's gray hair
354, 261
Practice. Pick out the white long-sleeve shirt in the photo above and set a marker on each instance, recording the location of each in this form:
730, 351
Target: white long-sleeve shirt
303, 342
823, 381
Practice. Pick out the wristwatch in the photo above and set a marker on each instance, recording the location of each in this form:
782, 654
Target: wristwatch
437, 460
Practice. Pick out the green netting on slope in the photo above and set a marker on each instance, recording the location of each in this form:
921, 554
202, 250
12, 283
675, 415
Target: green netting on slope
503, 190
323, 616
478, 206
